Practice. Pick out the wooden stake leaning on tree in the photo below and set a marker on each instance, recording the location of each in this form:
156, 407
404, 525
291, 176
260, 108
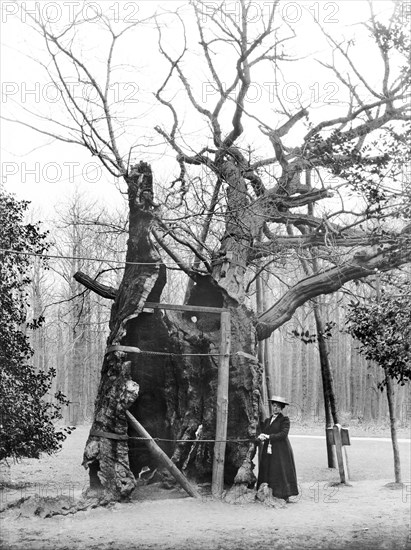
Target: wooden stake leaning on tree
161, 456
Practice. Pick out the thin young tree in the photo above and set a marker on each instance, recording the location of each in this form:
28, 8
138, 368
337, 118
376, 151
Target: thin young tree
382, 328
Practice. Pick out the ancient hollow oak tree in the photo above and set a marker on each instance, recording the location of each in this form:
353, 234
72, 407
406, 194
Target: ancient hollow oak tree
258, 185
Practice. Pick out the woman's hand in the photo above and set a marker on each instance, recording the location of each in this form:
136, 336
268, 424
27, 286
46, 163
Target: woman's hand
263, 437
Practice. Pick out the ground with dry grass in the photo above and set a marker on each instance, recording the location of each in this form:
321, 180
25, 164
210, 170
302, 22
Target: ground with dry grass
365, 514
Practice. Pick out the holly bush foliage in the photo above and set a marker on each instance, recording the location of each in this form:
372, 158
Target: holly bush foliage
26, 418
383, 328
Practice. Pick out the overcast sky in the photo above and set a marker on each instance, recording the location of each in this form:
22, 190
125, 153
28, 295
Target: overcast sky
40, 169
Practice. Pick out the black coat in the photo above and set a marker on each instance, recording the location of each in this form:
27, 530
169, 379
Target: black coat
278, 469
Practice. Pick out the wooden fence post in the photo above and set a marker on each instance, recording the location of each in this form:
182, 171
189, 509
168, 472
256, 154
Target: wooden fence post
217, 485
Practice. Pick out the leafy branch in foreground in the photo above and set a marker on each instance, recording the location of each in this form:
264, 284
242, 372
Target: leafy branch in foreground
26, 417
383, 329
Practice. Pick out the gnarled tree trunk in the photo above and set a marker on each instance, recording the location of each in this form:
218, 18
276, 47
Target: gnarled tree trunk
176, 370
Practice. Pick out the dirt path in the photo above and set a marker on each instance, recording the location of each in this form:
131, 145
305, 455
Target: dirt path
364, 515
361, 516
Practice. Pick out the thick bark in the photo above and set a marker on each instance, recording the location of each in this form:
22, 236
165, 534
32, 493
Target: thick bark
108, 459
177, 397
106, 456
230, 266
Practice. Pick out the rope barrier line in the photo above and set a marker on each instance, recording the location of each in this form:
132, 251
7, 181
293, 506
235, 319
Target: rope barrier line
172, 354
131, 349
194, 440
105, 260
109, 435
62, 257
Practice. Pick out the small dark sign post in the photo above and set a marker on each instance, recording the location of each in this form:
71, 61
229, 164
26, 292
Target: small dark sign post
340, 437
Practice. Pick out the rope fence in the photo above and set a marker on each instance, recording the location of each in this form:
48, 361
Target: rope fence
85, 258
133, 349
101, 260
193, 440
173, 354
123, 437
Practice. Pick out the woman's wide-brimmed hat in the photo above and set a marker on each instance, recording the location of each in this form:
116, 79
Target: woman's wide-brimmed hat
278, 399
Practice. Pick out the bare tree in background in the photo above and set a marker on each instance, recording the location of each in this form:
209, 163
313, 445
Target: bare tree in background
72, 338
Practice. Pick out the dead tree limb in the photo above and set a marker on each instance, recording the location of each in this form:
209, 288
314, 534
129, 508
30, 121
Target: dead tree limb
105, 291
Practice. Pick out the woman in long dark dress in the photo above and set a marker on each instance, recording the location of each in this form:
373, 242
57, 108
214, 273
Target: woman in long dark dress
277, 467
